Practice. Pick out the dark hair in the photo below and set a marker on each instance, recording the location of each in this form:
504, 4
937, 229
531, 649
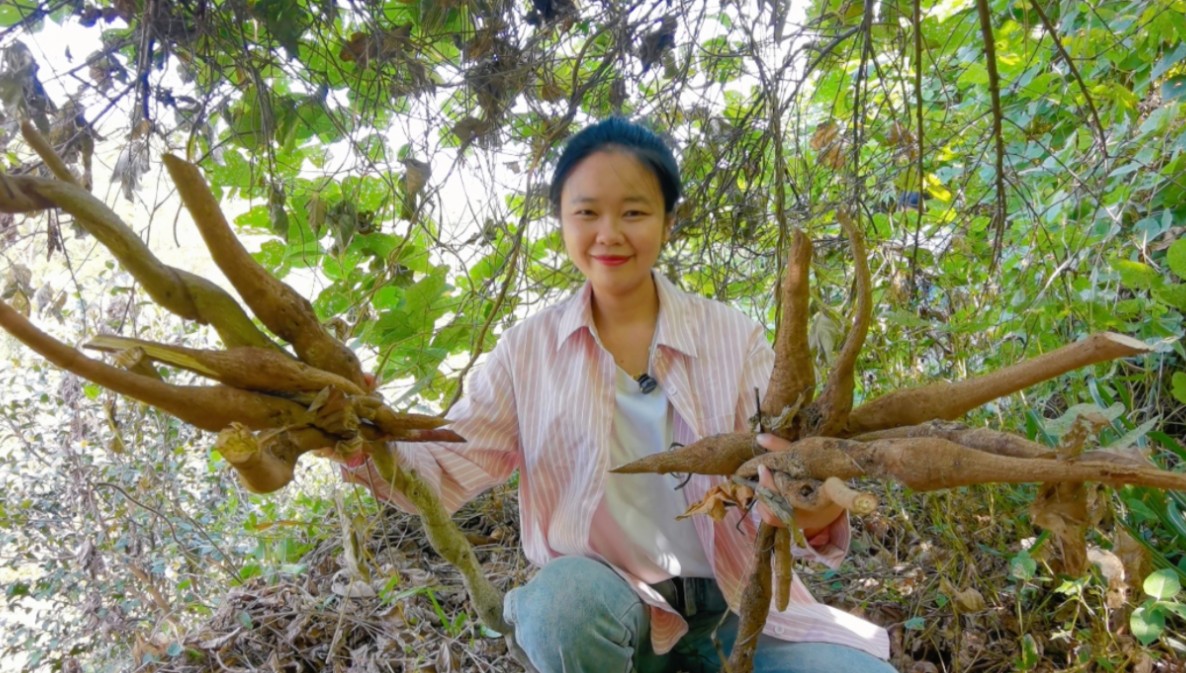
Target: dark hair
618, 133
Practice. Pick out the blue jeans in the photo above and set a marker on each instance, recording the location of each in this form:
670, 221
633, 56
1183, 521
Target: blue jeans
579, 616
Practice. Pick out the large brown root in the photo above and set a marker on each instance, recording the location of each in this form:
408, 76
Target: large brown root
716, 454
755, 604
207, 407
930, 463
793, 377
264, 462
245, 367
289, 315
783, 569
984, 439
949, 401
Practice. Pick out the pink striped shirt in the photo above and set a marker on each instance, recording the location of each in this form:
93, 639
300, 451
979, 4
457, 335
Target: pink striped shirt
543, 403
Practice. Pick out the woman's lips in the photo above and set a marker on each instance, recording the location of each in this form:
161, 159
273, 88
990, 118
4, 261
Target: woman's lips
611, 260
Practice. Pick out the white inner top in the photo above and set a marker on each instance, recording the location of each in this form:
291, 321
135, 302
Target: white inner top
641, 508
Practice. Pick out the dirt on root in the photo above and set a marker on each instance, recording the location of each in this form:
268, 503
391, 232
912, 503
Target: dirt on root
939, 571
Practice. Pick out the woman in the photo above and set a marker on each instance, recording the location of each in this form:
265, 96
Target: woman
620, 370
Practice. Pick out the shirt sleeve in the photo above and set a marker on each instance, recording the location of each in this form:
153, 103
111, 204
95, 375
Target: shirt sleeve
458, 471
759, 362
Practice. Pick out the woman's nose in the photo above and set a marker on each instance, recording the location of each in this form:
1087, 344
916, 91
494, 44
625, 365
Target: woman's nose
609, 228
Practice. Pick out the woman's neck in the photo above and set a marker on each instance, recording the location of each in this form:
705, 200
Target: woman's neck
638, 308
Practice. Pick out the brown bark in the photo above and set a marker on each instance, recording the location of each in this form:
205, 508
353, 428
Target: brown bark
949, 401
289, 315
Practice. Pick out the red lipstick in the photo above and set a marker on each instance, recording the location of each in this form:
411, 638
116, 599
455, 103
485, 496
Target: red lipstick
611, 260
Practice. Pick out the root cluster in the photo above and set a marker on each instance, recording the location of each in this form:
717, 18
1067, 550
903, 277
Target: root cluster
905, 436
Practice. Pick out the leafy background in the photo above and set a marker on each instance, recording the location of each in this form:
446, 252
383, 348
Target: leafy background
1009, 210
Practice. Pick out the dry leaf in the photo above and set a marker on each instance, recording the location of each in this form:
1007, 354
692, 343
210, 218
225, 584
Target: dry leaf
825, 134
969, 600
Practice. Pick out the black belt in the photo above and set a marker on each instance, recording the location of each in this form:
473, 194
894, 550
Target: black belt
690, 595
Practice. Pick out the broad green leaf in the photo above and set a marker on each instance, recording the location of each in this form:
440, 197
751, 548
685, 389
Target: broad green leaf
1179, 386
1162, 584
1147, 625
1176, 257
1135, 275
1173, 295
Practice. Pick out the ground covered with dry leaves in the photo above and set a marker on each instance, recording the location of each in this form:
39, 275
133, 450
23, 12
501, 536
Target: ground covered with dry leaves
945, 573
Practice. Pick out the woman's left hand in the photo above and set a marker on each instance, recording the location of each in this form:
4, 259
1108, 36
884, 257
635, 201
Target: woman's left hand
813, 522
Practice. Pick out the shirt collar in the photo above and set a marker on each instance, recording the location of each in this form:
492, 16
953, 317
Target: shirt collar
676, 316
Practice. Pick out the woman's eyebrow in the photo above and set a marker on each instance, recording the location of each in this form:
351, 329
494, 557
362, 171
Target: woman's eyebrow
633, 198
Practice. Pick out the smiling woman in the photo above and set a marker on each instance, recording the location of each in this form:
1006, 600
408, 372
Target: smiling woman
614, 224
619, 371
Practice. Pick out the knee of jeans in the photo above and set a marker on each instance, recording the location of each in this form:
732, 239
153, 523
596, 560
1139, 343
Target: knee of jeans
568, 595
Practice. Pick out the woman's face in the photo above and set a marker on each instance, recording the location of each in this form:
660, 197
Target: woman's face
614, 222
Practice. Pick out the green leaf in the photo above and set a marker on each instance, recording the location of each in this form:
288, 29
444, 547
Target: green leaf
1178, 386
424, 293
1022, 566
91, 390
248, 571
1176, 608
1147, 625
1029, 652
283, 22
245, 619
1172, 295
1162, 584
1135, 275
1174, 89
11, 14
1168, 61
915, 623
1176, 258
